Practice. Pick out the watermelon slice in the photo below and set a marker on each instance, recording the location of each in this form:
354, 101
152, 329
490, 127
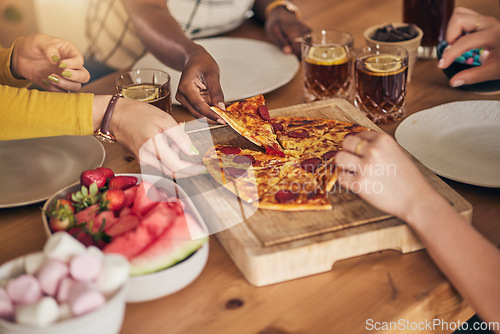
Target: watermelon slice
173, 245
145, 199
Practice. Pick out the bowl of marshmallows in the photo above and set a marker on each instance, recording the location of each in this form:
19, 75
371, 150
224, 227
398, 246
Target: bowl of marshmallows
66, 288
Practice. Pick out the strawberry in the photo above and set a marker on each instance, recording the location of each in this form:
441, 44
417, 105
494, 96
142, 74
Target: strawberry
122, 182
93, 176
113, 199
61, 215
85, 197
108, 173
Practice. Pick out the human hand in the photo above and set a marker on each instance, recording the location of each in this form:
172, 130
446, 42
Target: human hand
469, 30
373, 166
49, 62
199, 86
285, 30
152, 136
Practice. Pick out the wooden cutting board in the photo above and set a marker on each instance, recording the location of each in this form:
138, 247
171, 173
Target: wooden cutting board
271, 246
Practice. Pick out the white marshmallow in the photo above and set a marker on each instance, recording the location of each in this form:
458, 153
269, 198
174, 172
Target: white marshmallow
40, 314
65, 287
24, 289
33, 262
64, 312
51, 274
6, 305
84, 298
96, 251
85, 267
62, 246
114, 273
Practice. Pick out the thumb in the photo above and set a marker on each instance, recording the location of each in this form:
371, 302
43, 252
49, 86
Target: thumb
181, 139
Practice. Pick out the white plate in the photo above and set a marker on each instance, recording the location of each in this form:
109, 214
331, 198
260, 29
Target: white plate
31, 170
247, 67
458, 140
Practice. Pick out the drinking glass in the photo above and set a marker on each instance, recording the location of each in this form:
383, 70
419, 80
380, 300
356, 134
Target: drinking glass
380, 75
147, 85
432, 17
327, 64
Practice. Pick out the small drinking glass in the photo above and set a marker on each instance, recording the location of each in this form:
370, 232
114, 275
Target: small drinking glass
327, 64
380, 76
146, 85
432, 17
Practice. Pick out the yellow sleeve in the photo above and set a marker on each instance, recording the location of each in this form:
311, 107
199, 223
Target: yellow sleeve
6, 77
31, 113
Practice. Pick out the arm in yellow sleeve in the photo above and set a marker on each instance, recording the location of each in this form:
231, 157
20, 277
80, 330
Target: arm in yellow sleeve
6, 77
30, 113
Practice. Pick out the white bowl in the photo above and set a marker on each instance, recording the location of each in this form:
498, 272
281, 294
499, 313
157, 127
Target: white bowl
105, 320
164, 282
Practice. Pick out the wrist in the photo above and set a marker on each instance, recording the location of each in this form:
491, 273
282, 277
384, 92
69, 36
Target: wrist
282, 6
14, 61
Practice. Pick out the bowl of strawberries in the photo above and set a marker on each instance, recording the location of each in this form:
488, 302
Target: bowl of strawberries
148, 219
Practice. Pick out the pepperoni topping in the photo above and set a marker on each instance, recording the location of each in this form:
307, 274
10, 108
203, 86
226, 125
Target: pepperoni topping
244, 159
230, 150
286, 196
310, 165
275, 151
300, 133
328, 155
235, 172
314, 195
277, 127
264, 113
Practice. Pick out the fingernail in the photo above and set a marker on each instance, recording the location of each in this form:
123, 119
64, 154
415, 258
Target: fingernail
63, 65
46, 82
193, 150
221, 121
484, 55
204, 172
53, 78
221, 105
66, 74
56, 58
441, 63
457, 83
447, 48
183, 125
287, 49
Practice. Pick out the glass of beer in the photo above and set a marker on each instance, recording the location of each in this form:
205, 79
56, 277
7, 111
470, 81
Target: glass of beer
432, 17
380, 77
146, 85
327, 65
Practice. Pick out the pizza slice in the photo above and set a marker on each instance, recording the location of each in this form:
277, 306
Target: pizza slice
246, 173
297, 191
297, 134
250, 118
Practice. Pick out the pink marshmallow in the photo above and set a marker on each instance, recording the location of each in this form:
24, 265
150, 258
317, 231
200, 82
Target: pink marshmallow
51, 274
6, 305
24, 289
65, 287
85, 267
84, 298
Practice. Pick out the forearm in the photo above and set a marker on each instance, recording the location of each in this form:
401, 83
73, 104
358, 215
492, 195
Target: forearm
7, 73
160, 32
31, 113
470, 262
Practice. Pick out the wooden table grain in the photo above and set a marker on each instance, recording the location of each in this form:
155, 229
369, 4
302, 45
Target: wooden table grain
380, 287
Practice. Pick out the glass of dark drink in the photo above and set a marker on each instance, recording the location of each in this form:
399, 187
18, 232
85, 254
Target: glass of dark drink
327, 65
380, 76
146, 85
432, 17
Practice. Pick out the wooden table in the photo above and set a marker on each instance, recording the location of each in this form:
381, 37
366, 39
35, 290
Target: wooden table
384, 286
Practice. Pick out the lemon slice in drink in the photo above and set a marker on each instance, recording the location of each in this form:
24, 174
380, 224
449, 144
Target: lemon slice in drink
327, 55
384, 63
143, 93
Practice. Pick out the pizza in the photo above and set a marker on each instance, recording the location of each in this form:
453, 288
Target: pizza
250, 118
296, 169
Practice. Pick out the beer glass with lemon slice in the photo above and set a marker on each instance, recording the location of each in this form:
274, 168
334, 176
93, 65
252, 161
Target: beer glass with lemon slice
146, 85
327, 64
380, 76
